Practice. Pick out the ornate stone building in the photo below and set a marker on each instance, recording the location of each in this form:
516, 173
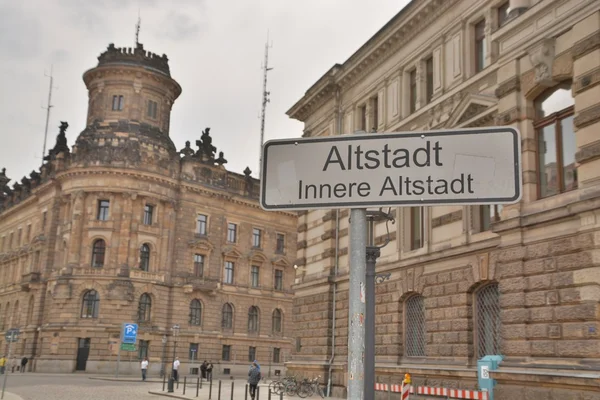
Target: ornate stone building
521, 280
125, 228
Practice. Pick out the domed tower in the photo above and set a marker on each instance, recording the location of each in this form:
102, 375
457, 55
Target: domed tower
131, 94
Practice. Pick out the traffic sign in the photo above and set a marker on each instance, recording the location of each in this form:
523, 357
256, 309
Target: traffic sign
12, 335
128, 347
455, 167
129, 333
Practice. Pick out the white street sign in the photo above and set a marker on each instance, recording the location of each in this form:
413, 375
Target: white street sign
466, 166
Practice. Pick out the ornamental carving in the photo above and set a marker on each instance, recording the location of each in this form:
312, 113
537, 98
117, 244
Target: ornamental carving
508, 86
586, 45
542, 59
587, 81
588, 153
587, 117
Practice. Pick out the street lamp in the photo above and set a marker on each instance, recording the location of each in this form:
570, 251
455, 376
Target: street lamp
162, 358
175, 330
373, 253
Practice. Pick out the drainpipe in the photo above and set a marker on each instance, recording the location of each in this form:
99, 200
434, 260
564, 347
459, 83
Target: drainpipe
337, 257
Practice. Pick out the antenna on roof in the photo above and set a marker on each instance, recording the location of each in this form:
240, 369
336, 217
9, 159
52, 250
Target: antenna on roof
265, 100
137, 29
48, 108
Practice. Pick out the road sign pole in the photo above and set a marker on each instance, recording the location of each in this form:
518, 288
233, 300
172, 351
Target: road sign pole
119, 352
356, 303
372, 253
12, 338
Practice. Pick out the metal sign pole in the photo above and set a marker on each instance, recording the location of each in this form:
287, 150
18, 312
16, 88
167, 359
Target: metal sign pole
356, 303
12, 338
373, 253
119, 351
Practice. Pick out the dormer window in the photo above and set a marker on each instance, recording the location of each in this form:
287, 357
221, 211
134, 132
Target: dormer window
152, 109
118, 103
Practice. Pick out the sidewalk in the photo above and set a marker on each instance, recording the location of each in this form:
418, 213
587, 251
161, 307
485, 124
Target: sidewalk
239, 391
11, 396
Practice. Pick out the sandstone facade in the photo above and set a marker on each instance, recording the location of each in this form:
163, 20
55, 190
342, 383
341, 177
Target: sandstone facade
125, 228
519, 280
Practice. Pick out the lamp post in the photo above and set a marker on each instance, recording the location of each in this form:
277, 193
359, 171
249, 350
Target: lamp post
372, 254
162, 358
175, 330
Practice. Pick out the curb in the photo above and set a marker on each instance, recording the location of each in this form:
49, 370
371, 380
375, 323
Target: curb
166, 394
101, 378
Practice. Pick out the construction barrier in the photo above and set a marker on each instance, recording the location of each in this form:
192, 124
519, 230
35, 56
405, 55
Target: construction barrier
433, 391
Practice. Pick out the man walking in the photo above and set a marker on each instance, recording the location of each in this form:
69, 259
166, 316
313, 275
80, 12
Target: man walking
144, 367
253, 379
209, 369
176, 369
2, 365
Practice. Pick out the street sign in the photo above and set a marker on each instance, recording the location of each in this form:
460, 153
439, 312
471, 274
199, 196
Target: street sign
12, 335
129, 333
128, 347
457, 167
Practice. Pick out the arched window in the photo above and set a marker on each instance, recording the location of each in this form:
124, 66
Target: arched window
253, 319
195, 312
30, 310
487, 312
227, 317
556, 145
16, 317
98, 252
145, 257
277, 321
144, 308
90, 304
415, 338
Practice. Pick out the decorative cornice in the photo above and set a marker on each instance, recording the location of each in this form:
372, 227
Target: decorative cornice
446, 219
508, 86
588, 153
587, 117
587, 81
508, 117
586, 45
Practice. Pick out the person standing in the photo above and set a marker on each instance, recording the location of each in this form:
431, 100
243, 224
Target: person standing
23, 364
2, 365
176, 369
144, 367
253, 379
203, 369
209, 369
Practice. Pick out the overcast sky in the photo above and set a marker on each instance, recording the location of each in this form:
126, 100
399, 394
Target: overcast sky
215, 48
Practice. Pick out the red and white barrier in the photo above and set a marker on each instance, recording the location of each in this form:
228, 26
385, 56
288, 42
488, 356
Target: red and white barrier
433, 391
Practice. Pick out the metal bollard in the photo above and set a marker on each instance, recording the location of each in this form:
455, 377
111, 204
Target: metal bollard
281, 395
232, 382
178, 381
257, 392
246, 393
210, 391
164, 381
197, 387
184, 383
171, 384
269, 396
200, 382
219, 397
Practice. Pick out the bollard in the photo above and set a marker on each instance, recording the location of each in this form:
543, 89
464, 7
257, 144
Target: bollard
184, 383
210, 391
200, 382
232, 382
164, 380
257, 392
269, 396
281, 395
197, 386
219, 397
171, 384
390, 388
178, 382
246, 393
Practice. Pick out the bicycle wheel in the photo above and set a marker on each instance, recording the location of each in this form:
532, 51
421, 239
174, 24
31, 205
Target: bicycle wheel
306, 389
291, 389
320, 391
273, 387
278, 387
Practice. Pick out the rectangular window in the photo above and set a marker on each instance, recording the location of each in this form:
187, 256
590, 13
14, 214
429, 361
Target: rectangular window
280, 247
488, 214
416, 228
152, 109
429, 79
103, 206
375, 111
412, 88
503, 14
480, 46
118, 103
19, 237
255, 276
256, 237
44, 218
143, 349
231, 232
229, 270
194, 352
278, 280
28, 233
148, 214
251, 353
198, 265
362, 112
226, 353
201, 224
276, 355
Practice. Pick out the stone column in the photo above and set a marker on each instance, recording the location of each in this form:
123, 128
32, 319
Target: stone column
77, 218
586, 88
125, 222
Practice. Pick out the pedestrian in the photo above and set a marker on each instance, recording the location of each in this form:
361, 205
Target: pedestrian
2, 365
253, 379
257, 364
203, 369
144, 367
209, 369
23, 364
176, 369
13, 364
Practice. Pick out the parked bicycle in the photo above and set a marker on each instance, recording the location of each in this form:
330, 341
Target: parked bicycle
281, 385
308, 388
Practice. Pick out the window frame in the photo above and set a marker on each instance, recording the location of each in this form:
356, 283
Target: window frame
201, 226
479, 45
85, 305
145, 308
118, 102
256, 238
98, 252
199, 265
278, 279
277, 321
193, 346
280, 243
195, 313
429, 73
502, 12
538, 125
152, 109
412, 236
412, 91
254, 268
478, 320
227, 316
143, 349
229, 273
251, 353
409, 346
231, 232
226, 352
253, 319
145, 257
103, 211
276, 355
148, 218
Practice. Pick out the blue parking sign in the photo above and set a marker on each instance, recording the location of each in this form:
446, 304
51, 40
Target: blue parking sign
129, 333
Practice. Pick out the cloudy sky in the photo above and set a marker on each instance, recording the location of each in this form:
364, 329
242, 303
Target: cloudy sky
215, 48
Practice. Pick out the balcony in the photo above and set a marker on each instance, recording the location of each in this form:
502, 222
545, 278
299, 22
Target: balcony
146, 276
28, 279
193, 284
